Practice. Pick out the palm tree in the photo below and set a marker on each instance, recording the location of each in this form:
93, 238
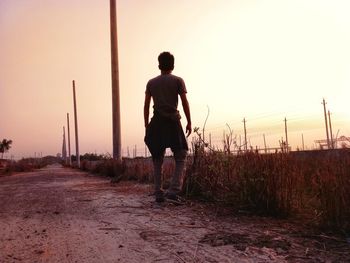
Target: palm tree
5, 145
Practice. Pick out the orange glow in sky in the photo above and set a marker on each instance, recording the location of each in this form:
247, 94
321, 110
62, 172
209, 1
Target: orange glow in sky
259, 60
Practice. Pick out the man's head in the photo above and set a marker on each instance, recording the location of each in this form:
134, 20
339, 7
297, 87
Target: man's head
166, 61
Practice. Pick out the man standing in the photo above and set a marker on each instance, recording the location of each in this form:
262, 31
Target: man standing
165, 130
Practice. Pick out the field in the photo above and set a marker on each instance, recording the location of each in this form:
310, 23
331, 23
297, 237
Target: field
313, 186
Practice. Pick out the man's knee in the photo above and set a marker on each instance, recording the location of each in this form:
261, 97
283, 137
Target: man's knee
158, 160
180, 155
158, 157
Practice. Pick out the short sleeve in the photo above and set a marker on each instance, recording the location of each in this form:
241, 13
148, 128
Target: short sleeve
182, 87
148, 91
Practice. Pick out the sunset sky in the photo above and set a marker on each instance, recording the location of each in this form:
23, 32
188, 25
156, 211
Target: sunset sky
259, 60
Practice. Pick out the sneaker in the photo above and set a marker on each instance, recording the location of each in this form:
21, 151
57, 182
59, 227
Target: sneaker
159, 197
175, 199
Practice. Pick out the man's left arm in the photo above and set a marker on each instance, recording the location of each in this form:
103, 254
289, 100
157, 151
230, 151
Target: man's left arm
186, 107
146, 108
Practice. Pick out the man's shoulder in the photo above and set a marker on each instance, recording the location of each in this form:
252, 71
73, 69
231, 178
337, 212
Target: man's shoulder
176, 77
165, 79
155, 79
168, 76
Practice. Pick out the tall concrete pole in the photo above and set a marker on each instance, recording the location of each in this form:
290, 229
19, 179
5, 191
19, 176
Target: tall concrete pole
64, 148
69, 153
325, 120
76, 126
115, 82
330, 129
286, 132
265, 143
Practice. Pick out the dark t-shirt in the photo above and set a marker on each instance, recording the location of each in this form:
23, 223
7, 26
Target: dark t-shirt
164, 90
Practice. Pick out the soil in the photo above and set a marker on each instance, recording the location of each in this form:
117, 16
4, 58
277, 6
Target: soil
63, 215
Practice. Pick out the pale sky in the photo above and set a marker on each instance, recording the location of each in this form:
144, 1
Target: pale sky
259, 60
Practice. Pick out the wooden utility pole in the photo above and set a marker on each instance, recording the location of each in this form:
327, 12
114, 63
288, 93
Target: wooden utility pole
265, 143
115, 82
76, 126
69, 153
325, 120
286, 132
245, 135
330, 129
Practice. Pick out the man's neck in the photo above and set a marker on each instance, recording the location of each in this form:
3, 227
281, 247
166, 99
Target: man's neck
165, 72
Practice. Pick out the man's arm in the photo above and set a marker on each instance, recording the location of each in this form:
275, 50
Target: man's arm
186, 107
146, 108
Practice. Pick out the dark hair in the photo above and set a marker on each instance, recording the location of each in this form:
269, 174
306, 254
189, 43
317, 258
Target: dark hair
166, 61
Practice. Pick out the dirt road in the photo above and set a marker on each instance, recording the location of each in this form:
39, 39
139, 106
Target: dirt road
63, 215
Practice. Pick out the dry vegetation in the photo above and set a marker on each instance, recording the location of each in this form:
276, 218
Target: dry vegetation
314, 186
24, 165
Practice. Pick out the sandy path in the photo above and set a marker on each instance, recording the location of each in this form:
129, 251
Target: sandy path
64, 215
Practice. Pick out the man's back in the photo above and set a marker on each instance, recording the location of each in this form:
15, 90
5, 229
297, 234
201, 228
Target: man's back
164, 90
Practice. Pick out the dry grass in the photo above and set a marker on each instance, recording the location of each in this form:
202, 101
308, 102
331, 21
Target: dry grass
314, 186
23, 165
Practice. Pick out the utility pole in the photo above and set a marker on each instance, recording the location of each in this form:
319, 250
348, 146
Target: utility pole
302, 140
265, 143
325, 120
76, 126
69, 153
115, 82
64, 148
245, 135
286, 132
330, 129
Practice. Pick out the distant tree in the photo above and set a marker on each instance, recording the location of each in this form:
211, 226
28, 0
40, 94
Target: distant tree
5, 145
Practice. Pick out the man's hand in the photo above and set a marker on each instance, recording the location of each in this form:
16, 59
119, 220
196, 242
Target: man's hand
188, 129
